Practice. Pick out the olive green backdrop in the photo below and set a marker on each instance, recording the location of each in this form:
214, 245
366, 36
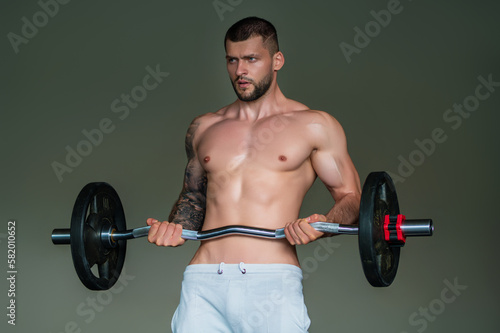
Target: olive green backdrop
391, 81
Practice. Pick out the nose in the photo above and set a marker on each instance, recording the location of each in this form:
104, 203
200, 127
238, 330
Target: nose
241, 69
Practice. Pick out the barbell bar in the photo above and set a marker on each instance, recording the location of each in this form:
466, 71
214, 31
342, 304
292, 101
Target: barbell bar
109, 236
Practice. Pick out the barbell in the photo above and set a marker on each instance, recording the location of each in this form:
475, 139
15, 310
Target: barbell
98, 232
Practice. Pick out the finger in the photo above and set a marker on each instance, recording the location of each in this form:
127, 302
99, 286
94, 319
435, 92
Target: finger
172, 235
177, 236
151, 220
288, 235
306, 232
168, 236
309, 231
153, 232
294, 232
161, 233
316, 218
298, 234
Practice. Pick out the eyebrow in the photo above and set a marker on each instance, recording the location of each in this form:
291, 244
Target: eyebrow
251, 55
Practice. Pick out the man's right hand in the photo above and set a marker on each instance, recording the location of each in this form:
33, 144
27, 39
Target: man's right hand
165, 233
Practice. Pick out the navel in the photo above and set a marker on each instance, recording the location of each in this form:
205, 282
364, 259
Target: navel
282, 158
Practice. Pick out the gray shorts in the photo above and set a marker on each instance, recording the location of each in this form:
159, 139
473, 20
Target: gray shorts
241, 298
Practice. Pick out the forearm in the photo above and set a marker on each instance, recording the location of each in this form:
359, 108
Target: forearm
189, 211
345, 210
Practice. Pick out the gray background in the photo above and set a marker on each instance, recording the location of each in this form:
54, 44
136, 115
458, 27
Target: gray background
394, 91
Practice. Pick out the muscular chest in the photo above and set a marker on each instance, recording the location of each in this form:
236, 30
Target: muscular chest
275, 144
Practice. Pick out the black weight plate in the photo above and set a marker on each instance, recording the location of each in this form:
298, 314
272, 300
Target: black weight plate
97, 206
379, 260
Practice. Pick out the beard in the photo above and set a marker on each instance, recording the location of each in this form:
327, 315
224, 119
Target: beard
260, 88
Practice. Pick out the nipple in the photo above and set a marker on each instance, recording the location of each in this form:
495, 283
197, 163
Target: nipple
206, 159
282, 158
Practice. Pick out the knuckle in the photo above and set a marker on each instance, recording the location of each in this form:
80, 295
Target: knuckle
161, 242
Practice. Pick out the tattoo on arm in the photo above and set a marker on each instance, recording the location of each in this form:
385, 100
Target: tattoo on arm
188, 143
189, 209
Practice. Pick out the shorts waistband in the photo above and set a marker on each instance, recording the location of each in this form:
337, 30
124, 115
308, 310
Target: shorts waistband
242, 268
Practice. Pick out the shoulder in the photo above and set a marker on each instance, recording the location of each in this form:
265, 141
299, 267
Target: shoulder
326, 121
204, 121
315, 119
199, 125
316, 116
321, 128
201, 122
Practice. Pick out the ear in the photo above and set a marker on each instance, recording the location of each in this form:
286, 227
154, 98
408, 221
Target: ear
278, 61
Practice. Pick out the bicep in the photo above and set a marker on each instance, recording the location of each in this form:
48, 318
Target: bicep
331, 161
194, 175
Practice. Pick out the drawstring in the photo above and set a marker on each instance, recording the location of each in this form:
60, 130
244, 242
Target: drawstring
221, 268
241, 266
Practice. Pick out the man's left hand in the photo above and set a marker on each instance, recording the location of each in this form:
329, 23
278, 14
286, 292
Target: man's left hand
300, 232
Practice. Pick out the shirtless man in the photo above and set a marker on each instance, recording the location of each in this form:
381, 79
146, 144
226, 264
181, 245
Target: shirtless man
251, 163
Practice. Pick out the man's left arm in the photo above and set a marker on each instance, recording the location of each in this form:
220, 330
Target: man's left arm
333, 165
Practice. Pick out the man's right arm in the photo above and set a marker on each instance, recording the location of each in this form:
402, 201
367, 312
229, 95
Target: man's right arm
188, 211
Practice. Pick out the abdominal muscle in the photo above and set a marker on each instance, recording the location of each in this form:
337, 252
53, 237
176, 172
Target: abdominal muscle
268, 202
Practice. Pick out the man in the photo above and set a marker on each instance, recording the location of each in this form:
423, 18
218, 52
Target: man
251, 163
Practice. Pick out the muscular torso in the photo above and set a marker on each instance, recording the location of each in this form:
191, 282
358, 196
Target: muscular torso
258, 173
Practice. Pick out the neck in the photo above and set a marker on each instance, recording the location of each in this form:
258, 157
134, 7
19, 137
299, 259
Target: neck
272, 102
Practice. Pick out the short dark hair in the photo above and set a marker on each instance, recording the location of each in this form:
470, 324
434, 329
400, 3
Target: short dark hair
252, 27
